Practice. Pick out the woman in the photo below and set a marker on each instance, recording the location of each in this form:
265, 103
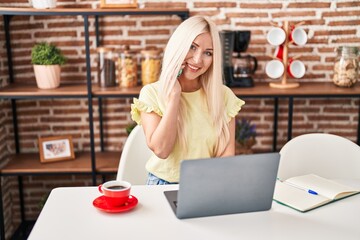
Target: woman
188, 113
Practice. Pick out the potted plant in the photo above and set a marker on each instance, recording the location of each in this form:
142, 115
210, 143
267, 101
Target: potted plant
47, 59
245, 136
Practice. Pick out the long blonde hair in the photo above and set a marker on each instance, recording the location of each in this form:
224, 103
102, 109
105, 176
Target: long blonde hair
211, 81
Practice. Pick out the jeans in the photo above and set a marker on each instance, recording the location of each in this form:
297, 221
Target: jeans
154, 180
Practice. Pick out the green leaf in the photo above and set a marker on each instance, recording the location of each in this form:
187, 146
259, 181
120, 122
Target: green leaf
47, 54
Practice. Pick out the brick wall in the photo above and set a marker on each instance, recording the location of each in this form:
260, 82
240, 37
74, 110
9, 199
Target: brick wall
329, 24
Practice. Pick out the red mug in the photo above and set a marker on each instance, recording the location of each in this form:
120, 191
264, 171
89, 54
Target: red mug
296, 68
116, 193
279, 52
276, 36
298, 36
274, 68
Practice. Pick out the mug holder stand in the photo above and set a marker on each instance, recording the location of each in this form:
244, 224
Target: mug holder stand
284, 84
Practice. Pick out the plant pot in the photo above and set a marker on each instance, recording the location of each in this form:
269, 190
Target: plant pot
47, 76
43, 4
245, 147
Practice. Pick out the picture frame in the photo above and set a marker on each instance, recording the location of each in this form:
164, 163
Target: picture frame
118, 4
56, 148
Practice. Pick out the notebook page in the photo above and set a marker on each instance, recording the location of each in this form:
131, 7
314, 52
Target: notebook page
322, 186
297, 198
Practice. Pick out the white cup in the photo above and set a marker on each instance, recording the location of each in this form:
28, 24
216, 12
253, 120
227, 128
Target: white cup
276, 36
274, 69
296, 69
298, 36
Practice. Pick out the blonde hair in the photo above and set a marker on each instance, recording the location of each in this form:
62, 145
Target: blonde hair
211, 81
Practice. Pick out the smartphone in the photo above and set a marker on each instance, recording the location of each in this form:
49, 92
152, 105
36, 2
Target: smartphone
179, 73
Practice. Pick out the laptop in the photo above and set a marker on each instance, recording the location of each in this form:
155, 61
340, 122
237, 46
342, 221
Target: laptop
228, 185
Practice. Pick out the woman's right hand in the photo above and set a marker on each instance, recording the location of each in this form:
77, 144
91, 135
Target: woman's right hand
176, 91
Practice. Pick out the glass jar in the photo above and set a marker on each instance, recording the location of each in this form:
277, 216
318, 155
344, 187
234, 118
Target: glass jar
106, 67
346, 66
127, 69
150, 66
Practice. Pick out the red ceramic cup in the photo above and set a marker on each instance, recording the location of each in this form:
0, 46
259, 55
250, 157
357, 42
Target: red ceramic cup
274, 69
296, 68
276, 36
279, 51
298, 36
116, 193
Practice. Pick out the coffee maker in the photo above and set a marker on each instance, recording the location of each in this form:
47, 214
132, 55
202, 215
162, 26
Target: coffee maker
237, 68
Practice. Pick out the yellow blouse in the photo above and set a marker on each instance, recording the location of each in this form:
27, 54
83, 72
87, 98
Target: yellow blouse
201, 138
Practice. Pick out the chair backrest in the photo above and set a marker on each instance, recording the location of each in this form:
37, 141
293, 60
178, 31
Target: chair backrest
326, 155
133, 158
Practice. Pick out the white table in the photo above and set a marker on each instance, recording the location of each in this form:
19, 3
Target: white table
69, 214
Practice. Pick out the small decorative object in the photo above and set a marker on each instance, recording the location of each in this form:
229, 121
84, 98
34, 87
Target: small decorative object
118, 4
43, 4
56, 149
346, 66
281, 65
245, 134
47, 59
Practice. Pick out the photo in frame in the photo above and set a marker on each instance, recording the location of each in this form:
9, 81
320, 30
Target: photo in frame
118, 4
57, 148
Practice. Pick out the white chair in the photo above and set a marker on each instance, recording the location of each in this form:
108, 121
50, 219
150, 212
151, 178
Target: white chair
326, 155
133, 158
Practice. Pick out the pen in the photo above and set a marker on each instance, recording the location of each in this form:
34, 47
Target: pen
312, 192
307, 190
293, 185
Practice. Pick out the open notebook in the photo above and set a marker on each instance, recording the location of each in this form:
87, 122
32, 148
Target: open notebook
307, 192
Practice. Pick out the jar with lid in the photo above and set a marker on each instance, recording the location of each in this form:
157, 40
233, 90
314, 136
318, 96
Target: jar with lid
106, 67
150, 65
346, 66
127, 68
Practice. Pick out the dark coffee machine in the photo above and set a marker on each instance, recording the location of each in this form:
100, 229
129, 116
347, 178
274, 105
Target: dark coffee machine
238, 69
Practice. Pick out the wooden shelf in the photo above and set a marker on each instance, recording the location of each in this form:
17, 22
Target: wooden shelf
29, 163
19, 90
316, 89
107, 162
308, 89
115, 91
182, 12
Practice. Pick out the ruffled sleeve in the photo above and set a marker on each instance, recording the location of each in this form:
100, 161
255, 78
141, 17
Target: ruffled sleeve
233, 104
147, 102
